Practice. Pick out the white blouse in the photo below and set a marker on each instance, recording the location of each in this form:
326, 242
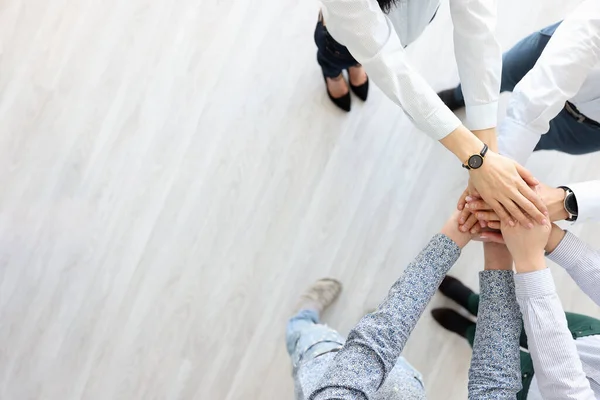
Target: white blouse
377, 41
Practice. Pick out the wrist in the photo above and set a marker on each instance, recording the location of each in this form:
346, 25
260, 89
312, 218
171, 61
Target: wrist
488, 136
462, 143
556, 236
530, 263
556, 205
497, 257
461, 239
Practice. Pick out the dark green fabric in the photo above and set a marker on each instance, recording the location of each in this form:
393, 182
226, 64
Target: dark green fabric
470, 334
582, 325
579, 326
473, 304
526, 374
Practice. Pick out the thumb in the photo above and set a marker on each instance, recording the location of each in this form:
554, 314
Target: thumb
526, 175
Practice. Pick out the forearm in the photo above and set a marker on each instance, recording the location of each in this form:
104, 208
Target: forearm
462, 143
495, 372
378, 339
579, 259
555, 359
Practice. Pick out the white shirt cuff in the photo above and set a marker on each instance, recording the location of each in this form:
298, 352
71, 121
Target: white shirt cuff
588, 200
440, 124
568, 252
534, 284
483, 116
516, 141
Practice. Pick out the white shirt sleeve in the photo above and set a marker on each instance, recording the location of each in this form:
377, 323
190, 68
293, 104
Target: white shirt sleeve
555, 359
369, 35
479, 59
588, 200
557, 76
582, 262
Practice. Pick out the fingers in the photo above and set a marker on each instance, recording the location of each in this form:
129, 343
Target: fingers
464, 215
526, 175
532, 204
462, 201
493, 224
517, 213
476, 205
502, 213
476, 229
470, 224
487, 216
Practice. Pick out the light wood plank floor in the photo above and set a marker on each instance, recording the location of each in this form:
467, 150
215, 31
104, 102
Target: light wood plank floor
172, 176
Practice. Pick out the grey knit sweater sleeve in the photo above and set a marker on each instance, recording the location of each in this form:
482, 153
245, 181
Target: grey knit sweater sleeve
375, 343
495, 365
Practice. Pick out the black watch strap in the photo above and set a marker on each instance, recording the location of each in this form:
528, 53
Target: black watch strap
484, 150
476, 160
570, 204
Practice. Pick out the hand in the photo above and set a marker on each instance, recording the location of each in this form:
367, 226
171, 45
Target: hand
468, 220
527, 245
552, 197
504, 185
451, 230
488, 235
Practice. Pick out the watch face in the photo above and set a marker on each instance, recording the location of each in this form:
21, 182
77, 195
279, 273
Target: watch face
571, 203
475, 161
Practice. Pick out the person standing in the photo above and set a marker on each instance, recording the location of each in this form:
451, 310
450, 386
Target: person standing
368, 365
549, 332
375, 33
554, 77
334, 58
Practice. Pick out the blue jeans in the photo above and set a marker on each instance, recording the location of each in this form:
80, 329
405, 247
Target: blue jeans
332, 56
566, 134
306, 338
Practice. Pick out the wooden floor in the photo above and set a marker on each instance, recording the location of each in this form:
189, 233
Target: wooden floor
172, 176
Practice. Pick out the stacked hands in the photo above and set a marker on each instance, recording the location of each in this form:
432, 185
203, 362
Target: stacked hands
526, 243
525, 237
479, 219
477, 213
507, 205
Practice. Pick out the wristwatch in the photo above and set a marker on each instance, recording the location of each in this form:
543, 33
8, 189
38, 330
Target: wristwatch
570, 204
476, 160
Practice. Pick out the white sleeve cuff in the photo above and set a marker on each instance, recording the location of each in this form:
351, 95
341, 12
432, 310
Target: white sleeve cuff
516, 141
534, 284
568, 252
440, 124
588, 200
483, 116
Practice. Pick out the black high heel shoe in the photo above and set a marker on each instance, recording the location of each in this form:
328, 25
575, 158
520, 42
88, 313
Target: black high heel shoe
342, 102
362, 91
